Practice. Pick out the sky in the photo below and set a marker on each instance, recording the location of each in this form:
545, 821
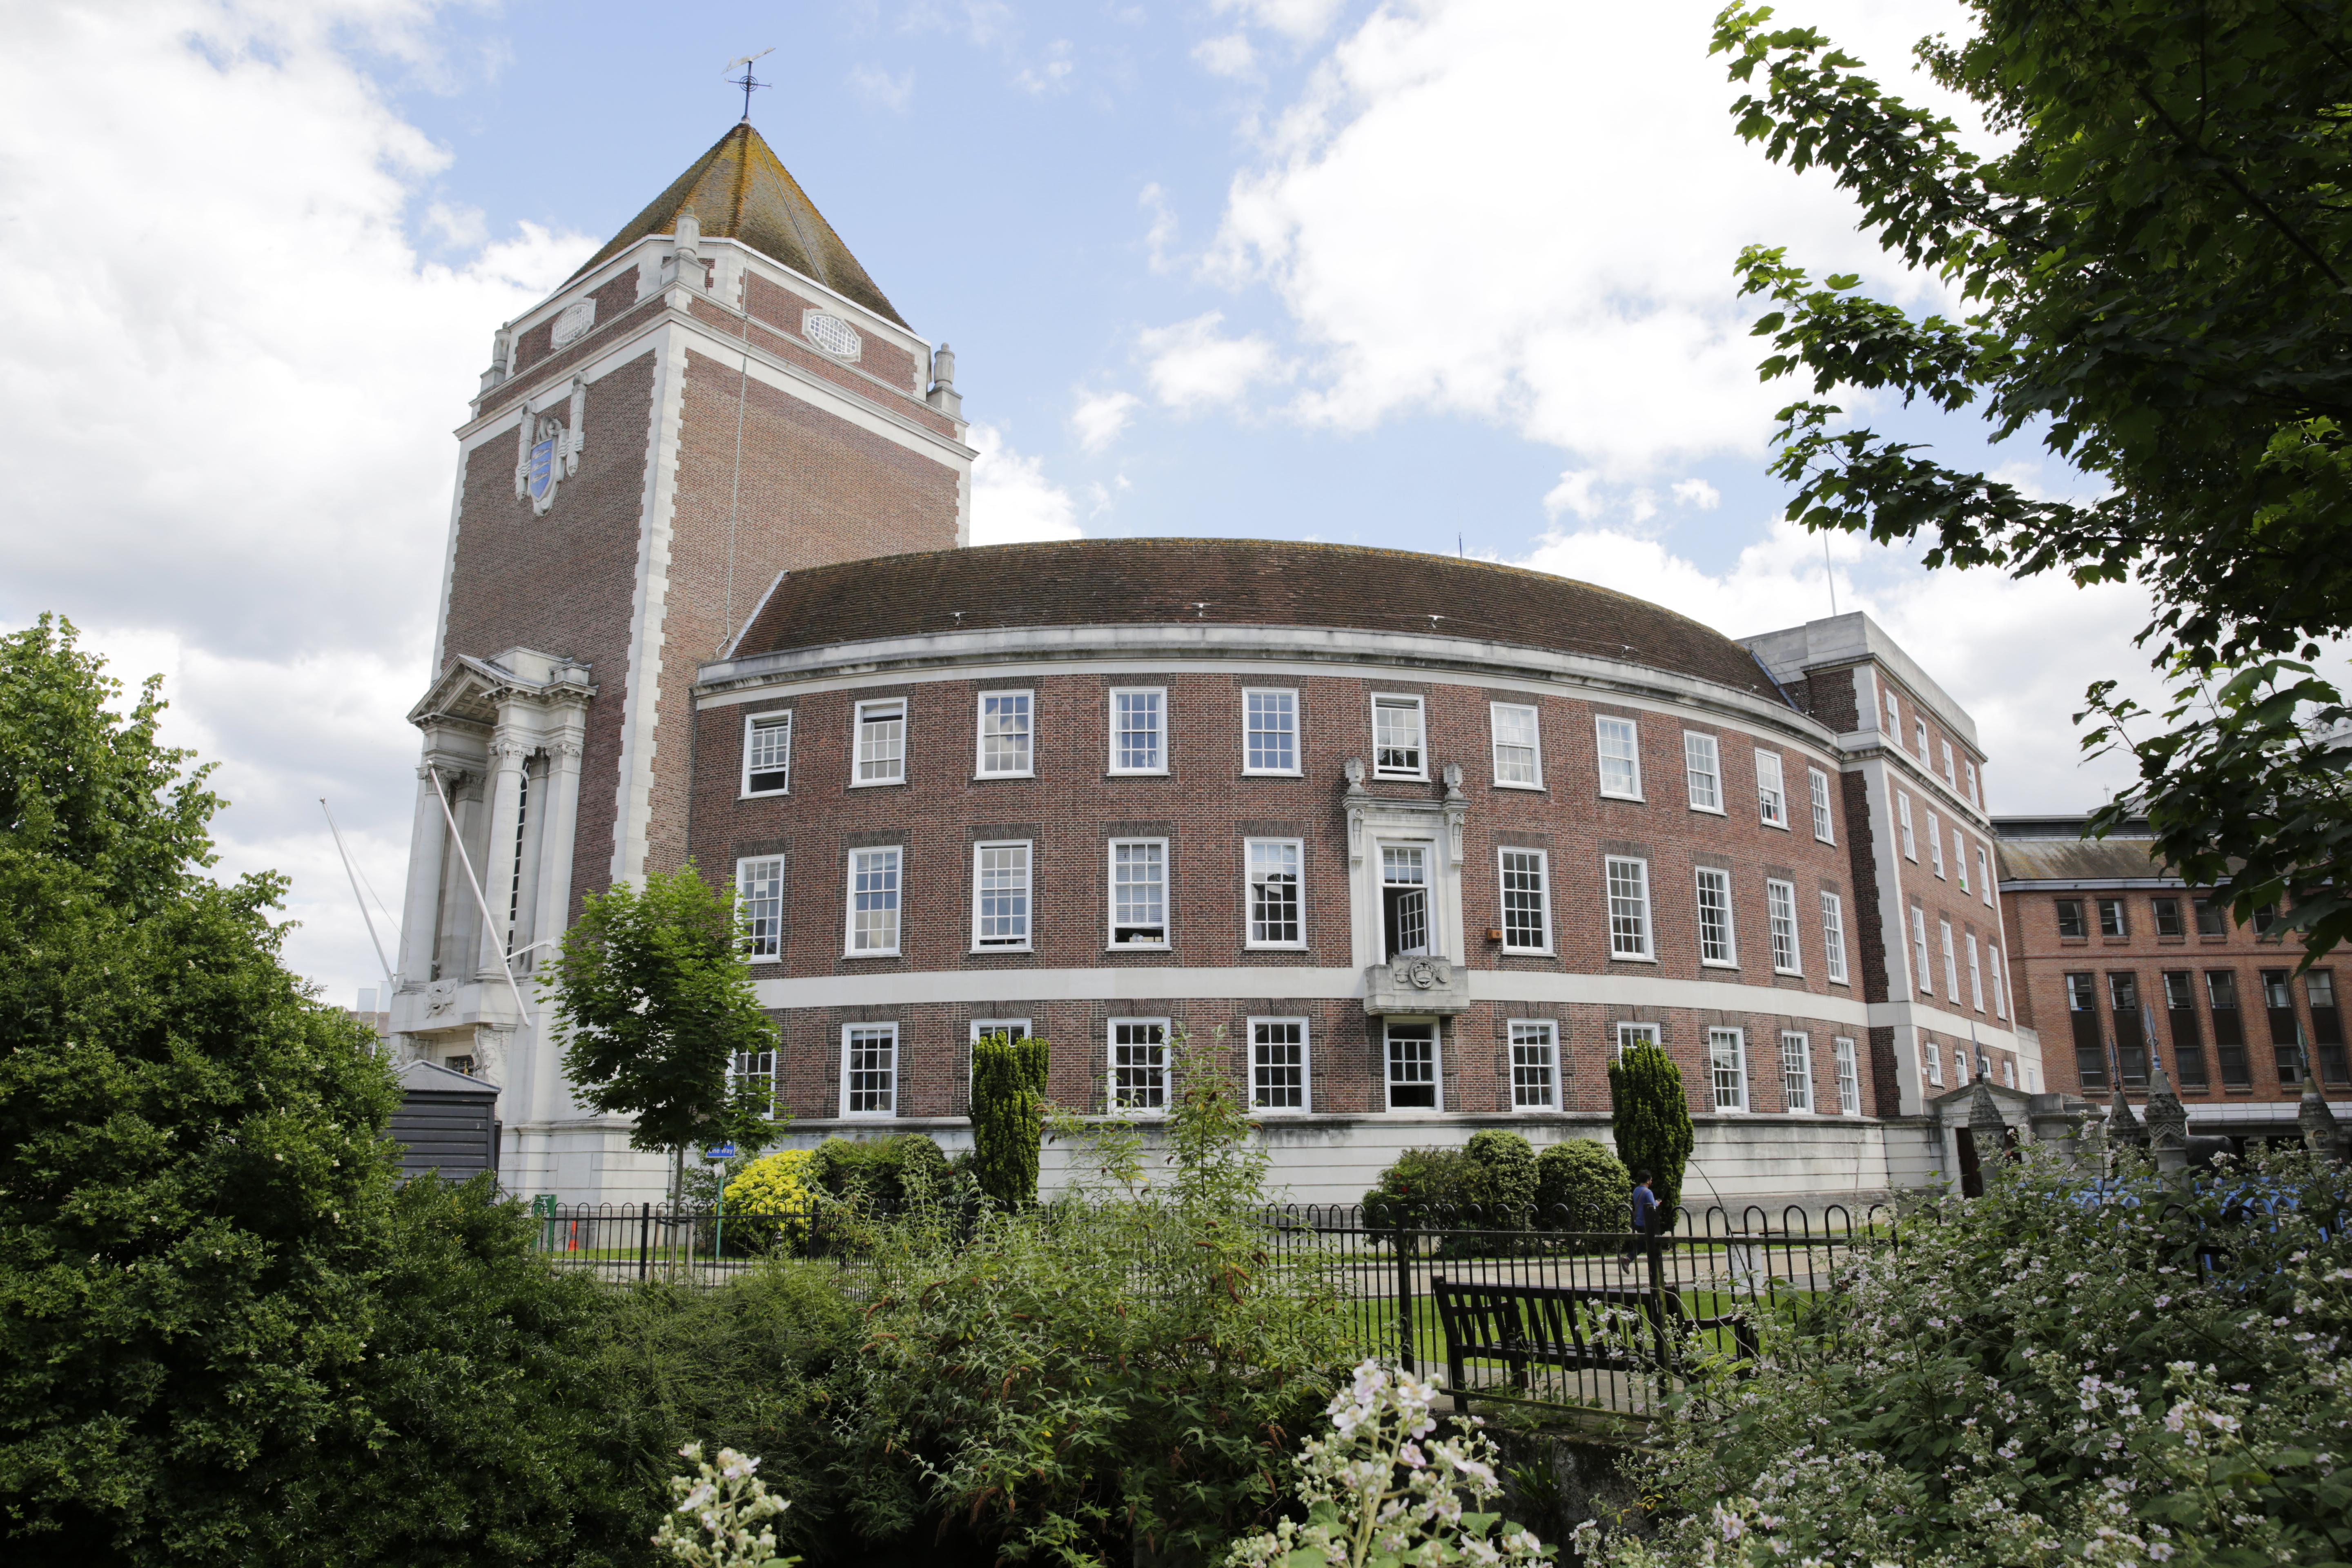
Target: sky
1424, 274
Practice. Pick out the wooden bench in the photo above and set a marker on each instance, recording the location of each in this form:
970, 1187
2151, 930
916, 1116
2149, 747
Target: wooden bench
1559, 1326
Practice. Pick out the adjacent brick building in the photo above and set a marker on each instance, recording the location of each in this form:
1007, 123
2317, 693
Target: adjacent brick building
1427, 838
2121, 965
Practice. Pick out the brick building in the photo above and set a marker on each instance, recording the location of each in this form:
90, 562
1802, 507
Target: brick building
1428, 838
2119, 964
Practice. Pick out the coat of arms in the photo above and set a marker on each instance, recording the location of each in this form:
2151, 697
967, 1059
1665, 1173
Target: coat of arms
550, 450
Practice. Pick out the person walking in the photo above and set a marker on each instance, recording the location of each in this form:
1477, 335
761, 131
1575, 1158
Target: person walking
1646, 1215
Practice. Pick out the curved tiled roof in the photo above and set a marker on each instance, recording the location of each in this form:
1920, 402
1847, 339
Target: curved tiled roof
1247, 582
741, 190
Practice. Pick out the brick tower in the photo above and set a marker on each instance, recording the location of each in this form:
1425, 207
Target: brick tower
721, 393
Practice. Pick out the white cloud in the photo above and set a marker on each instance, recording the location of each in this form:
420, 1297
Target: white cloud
1049, 73
1162, 232
1985, 639
1574, 493
880, 88
1228, 56
1459, 223
1192, 365
1302, 21
1011, 498
223, 427
1100, 417
1697, 493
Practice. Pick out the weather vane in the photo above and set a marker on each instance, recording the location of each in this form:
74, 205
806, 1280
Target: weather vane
747, 81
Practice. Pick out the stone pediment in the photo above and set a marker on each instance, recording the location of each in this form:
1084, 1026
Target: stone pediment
470, 689
1416, 985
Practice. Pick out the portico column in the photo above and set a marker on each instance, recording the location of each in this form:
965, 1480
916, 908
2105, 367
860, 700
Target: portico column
509, 751
428, 840
555, 845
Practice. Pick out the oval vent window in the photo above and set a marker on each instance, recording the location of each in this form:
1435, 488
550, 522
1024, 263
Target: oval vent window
831, 333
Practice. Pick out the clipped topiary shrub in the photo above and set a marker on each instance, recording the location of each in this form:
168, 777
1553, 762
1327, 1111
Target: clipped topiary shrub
1507, 1167
1488, 1182
1422, 1182
1008, 1117
1651, 1120
1581, 1185
769, 1201
889, 1172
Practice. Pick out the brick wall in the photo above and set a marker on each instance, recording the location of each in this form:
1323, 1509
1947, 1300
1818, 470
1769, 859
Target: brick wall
2044, 958
562, 583
1206, 807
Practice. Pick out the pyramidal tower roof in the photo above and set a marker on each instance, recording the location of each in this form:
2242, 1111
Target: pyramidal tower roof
741, 190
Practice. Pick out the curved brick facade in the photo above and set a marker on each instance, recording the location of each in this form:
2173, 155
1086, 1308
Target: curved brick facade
1071, 985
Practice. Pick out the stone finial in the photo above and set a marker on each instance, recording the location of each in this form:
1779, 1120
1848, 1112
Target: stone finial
2168, 1123
689, 234
2321, 1134
2122, 1127
1354, 770
1452, 775
943, 394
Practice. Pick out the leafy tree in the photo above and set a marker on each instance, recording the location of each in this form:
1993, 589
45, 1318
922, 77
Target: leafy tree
653, 1003
1008, 1116
2155, 273
192, 1193
1650, 1119
224, 1336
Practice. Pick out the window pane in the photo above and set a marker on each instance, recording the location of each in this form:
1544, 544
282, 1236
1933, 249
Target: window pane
1272, 730
1273, 891
1703, 770
2111, 918
1833, 935
1001, 895
1278, 1064
1714, 934
1531, 1065
1960, 860
2167, 917
1780, 904
1771, 791
1527, 922
1976, 977
2070, 918
1405, 898
1727, 1062
2212, 919
870, 1058
1621, 757
1396, 735
1797, 1071
1004, 732
1818, 783
1903, 821
881, 742
759, 884
1517, 758
1136, 744
874, 901
1413, 1066
1629, 908
768, 755
1139, 1064
756, 1069
1936, 843
1849, 1078
1636, 1035
1922, 976
1138, 893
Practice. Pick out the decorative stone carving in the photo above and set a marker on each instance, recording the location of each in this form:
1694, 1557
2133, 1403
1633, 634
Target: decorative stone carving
2168, 1124
1416, 985
572, 322
1452, 773
1354, 773
835, 336
550, 449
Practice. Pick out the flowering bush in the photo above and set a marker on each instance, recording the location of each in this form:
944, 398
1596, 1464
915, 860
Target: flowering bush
1381, 1492
726, 1502
768, 1200
2037, 1376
